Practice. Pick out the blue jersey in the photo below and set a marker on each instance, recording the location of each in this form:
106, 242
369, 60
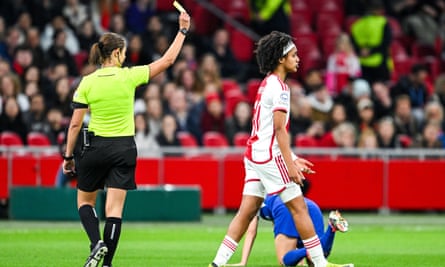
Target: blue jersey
273, 209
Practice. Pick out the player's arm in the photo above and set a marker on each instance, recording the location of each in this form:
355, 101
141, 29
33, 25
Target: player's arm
172, 52
248, 242
279, 121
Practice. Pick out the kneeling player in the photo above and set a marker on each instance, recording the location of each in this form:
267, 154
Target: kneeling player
289, 248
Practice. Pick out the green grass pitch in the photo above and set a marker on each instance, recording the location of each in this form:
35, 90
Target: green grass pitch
373, 240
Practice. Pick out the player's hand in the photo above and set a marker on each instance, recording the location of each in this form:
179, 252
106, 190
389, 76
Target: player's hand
304, 165
184, 21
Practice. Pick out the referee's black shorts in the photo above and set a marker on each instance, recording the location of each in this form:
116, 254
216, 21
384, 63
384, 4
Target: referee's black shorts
108, 162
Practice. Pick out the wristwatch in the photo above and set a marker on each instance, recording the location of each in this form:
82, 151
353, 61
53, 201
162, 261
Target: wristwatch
184, 31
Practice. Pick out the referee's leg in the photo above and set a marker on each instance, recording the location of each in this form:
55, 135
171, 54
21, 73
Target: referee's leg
113, 211
86, 202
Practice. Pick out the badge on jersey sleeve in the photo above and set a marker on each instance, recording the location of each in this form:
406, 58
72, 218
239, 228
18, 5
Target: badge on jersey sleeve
284, 98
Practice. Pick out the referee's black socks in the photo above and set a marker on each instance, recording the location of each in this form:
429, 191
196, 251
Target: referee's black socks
112, 232
90, 223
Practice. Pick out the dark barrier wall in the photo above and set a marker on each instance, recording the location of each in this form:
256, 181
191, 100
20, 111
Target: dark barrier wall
343, 183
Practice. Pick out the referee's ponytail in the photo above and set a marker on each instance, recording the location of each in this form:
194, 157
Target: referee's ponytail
102, 49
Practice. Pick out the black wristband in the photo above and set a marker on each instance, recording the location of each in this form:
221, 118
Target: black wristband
67, 158
184, 31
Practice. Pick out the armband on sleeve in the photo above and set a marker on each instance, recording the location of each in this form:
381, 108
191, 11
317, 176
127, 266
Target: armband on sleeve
75, 105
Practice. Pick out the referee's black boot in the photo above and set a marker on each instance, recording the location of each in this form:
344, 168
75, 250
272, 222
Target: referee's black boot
97, 254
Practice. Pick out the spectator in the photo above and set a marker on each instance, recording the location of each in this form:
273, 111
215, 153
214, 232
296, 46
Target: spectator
117, 25
56, 123
58, 53
337, 116
343, 136
213, 118
154, 113
209, 70
429, 137
300, 115
146, 143
321, 103
10, 86
405, 122
371, 36
414, 85
365, 109
439, 89
48, 36
33, 41
178, 107
76, 13
11, 119
240, 121
24, 21
434, 113
312, 79
151, 91
220, 48
31, 88
153, 29
188, 54
341, 65
270, 15
386, 133
14, 38
23, 59
367, 140
35, 119
167, 137
383, 102
135, 53
87, 35
63, 97
422, 26
137, 15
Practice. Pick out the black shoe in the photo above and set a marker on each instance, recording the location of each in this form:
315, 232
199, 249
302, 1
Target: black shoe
97, 254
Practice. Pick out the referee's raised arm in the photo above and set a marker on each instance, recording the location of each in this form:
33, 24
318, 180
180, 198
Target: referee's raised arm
172, 52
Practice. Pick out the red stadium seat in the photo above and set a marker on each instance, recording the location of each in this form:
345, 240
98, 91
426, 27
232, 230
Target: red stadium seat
214, 139
349, 20
302, 11
240, 139
305, 141
398, 50
402, 66
396, 29
231, 99
252, 89
238, 9
228, 85
80, 59
300, 25
38, 139
242, 46
10, 139
187, 139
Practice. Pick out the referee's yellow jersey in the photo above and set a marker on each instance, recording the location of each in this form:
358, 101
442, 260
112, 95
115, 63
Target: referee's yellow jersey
109, 93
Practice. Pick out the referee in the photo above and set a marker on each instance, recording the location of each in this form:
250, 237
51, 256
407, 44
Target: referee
109, 155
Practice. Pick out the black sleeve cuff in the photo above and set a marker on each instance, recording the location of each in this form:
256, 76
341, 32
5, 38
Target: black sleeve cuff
76, 105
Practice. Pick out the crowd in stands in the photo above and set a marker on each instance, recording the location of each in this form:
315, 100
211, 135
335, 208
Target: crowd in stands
387, 92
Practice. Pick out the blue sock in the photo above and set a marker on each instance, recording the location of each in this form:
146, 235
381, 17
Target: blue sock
327, 240
294, 256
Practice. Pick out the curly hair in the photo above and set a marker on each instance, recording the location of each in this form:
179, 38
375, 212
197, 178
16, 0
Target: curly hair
270, 49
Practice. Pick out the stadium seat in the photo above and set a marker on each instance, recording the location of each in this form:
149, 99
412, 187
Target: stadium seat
228, 85
252, 89
398, 50
187, 139
214, 139
80, 59
231, 99
396, 29
302, 140
241, 45
300, 25
10, 139
302, 11
238, 9
37, 139
240, 139
402, 66
348, 21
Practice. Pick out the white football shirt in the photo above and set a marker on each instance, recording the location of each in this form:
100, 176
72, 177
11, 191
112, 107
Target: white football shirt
273, 94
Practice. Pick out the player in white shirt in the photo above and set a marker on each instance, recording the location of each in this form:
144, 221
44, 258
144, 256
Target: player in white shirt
270, 165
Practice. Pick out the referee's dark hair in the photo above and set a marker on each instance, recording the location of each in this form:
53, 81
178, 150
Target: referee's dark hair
270, 49
102, 50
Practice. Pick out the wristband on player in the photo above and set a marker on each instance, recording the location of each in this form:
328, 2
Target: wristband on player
67, 158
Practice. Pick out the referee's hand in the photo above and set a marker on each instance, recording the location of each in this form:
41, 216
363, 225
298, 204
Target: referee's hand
184, 21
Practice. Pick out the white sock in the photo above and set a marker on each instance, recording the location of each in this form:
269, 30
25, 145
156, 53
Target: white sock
225, 251
315, 251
